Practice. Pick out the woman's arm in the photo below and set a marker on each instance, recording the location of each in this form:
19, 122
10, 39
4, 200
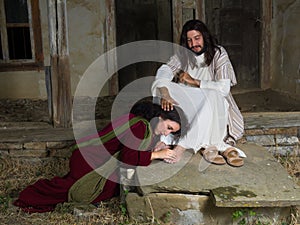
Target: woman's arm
132, 155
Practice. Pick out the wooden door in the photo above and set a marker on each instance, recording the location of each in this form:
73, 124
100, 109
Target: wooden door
138, 20
237, 26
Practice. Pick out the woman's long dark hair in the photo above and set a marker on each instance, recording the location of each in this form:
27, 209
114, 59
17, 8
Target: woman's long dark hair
210, 44
149, 111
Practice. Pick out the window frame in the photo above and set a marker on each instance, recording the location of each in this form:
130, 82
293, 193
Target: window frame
37, 61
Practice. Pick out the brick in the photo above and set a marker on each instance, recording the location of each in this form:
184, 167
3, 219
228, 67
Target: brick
35, 145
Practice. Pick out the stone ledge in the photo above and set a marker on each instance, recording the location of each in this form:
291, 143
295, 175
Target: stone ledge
261, 182
186, 209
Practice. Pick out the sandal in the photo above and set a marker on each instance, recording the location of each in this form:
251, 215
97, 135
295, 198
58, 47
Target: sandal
211, 154
232, 157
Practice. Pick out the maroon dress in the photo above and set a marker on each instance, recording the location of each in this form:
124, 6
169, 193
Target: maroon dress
45, 194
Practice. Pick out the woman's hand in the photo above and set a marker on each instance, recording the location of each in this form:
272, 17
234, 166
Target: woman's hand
159, 146
185, 78
166, 153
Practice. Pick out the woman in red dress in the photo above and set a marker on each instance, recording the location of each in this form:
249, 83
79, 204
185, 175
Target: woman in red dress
130, 138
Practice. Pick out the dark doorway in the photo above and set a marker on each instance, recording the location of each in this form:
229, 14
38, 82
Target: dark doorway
141, 20
237, 26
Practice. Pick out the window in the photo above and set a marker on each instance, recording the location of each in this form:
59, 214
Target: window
20, 35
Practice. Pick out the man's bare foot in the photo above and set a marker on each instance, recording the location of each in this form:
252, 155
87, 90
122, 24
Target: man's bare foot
179, 152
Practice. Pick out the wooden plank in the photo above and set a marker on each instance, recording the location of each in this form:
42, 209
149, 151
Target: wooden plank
60, 68
265, 120
265, 49
36, 135
110, 44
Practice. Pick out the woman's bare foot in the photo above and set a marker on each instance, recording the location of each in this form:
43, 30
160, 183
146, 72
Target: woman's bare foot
179, 152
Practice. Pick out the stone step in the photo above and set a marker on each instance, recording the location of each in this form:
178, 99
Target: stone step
261, 182
187, 209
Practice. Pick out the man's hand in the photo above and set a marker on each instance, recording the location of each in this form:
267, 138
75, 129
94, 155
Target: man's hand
185, 78
166, 101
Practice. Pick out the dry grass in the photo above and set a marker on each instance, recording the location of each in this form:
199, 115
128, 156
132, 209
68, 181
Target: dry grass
16, 174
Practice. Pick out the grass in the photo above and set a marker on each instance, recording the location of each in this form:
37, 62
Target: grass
16, 174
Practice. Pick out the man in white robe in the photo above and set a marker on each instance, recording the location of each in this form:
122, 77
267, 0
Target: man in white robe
202, 90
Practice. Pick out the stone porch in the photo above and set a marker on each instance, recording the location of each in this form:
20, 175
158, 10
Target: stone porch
266, 134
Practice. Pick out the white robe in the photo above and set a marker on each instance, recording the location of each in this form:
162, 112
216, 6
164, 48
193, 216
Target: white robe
206, 107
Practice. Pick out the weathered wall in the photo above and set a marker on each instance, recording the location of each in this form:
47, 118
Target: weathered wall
87, 41
285, 55
29, 84
86, 27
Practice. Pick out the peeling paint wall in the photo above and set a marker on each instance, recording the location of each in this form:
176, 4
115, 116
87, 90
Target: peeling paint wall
285, 55
86, 27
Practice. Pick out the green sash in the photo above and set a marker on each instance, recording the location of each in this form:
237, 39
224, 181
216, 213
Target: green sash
89, 187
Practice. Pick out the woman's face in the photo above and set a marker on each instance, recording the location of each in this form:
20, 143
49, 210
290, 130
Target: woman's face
165, 127
195, 40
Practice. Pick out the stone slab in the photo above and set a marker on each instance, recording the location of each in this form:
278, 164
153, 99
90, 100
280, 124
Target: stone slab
261, 182
187, 209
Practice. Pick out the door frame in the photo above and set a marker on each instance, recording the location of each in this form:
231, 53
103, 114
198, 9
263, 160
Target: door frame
199, 6
265, 36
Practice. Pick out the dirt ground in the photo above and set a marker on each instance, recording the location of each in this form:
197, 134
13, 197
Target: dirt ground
26, 110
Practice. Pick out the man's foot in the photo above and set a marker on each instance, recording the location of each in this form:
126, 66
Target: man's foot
179, 152
232, 157
211, 155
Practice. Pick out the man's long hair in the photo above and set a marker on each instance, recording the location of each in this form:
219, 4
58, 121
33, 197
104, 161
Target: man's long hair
210, 44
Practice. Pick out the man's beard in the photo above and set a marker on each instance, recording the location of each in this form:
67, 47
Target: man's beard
201, 51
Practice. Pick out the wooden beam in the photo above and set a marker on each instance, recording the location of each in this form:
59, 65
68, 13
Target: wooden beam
60, 67
110, 44
265, 49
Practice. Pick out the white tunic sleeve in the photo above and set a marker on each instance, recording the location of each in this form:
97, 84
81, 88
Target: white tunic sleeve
222, 85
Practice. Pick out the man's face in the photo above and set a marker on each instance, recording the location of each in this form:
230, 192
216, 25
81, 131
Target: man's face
195, 40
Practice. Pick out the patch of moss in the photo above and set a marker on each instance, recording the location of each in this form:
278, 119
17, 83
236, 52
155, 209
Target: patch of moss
231, 192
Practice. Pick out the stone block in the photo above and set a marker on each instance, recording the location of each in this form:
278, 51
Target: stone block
7, 146
58, 144
35, 145
60, 153
262, 139
286, 140
29, 153
283, 150
186, 209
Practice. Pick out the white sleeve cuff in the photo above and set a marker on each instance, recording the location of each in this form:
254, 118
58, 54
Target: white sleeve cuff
222, 85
